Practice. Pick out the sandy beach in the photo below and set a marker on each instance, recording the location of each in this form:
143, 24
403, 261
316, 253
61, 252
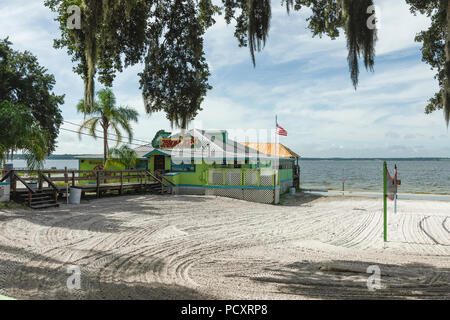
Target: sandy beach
196, 247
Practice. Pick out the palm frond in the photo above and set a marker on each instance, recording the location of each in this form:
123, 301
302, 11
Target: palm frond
90, 125
124, 155
128, 113
34, 148
93, 110
117, 133
106, 99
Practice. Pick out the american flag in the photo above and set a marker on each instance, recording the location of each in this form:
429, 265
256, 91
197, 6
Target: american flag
281, 131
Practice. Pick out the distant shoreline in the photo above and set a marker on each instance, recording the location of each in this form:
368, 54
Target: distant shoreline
377, 159
374, 194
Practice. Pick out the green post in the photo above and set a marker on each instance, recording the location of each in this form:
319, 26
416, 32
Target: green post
385, 199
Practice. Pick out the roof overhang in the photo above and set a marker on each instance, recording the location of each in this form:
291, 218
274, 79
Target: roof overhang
156, 152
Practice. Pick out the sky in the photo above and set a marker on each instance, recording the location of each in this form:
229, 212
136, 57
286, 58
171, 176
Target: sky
303, 80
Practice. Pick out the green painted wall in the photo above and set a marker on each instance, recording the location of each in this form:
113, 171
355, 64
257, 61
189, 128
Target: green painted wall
200, 176
197, 178
151, 163
286, 174
90, 164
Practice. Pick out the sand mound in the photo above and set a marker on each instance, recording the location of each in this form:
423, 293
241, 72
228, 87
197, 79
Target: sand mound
168, 232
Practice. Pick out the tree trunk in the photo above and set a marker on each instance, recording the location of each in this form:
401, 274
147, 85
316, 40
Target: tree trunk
105, 144
446, 91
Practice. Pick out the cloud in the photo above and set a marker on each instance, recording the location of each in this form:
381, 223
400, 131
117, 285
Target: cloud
392, 135
410, 136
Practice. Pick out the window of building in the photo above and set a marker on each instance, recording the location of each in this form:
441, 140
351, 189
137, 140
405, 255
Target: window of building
183, 167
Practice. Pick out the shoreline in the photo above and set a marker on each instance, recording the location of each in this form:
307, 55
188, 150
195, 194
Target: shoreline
373, 194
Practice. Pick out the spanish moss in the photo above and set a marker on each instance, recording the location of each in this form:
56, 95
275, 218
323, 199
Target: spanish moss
259, 15
360, 38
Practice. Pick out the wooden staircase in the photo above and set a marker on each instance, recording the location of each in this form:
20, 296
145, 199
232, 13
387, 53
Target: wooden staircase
44, 197
37, 200
157, 188
33, 198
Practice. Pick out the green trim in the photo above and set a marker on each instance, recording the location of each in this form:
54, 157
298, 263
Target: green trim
6, 298
156, 152
226, 187
176, 173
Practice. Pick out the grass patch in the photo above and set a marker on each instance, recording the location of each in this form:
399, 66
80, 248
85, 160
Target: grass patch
11, 205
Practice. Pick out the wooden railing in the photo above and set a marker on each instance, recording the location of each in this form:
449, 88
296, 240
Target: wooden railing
5, 176
159, 177
75, 178
13, 176
51, 184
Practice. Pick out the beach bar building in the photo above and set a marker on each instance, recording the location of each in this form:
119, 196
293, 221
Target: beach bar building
207, 162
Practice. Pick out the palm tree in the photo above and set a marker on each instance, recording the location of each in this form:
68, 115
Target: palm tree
106, 114
20, 131
125, 156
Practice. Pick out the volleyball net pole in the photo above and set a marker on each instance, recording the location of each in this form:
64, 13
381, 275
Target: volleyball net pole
390, 191
385, 199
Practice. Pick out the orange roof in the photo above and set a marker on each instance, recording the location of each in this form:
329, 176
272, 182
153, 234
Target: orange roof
272, 149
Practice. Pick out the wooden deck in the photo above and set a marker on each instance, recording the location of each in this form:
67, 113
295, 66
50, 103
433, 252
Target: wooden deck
103, 187
97, 182
120, 188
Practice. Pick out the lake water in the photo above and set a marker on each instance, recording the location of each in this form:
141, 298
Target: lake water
367, 175
49, 164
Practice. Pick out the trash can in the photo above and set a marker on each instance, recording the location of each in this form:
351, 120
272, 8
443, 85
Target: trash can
4, 192
292, 191
75, 196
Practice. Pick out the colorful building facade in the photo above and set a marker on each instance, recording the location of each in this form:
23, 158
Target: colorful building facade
207, 162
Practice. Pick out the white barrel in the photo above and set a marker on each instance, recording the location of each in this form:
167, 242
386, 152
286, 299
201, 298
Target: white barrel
4, 192
292, 191
75, 196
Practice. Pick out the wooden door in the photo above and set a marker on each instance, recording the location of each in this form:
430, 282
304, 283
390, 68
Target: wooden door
160, 164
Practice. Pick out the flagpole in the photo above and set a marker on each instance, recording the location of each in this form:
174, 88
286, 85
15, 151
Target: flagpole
276, 135
276, 144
